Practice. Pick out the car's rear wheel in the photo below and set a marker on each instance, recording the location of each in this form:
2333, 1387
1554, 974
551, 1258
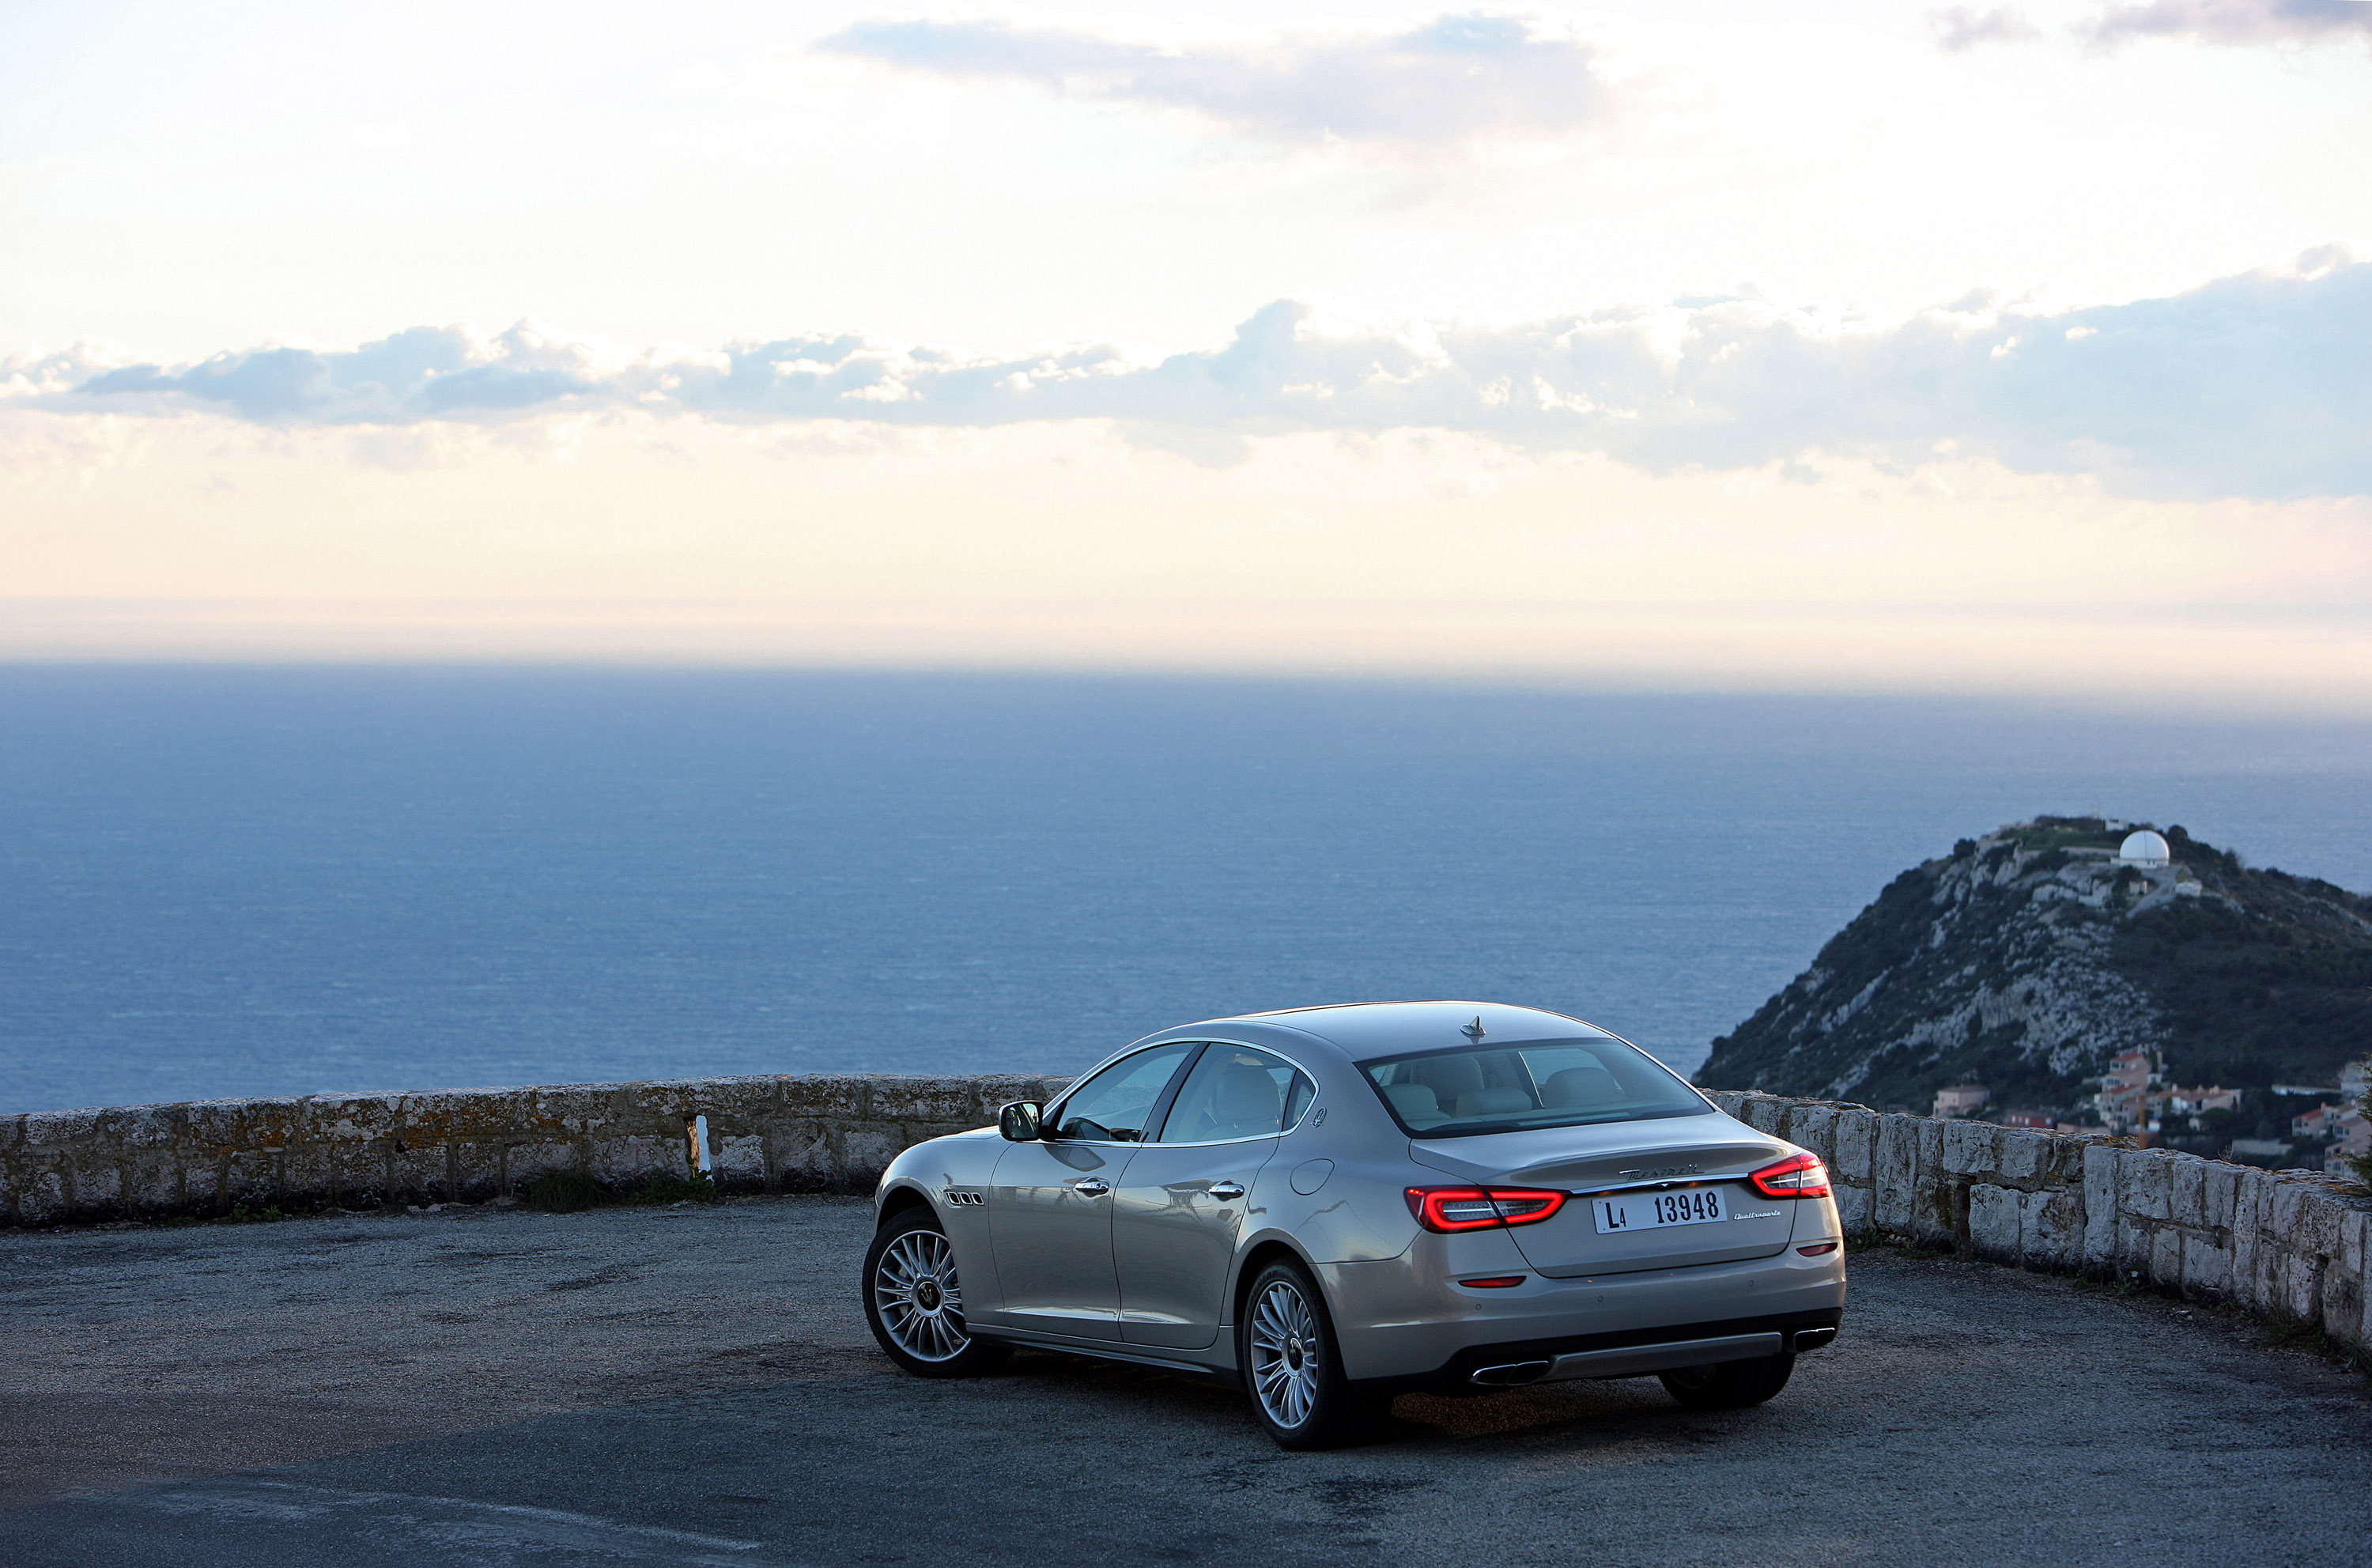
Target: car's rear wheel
1729, 1385
914, 1302
1292, 1366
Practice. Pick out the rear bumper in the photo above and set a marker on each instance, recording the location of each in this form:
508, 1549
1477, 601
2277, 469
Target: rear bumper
1401, 1323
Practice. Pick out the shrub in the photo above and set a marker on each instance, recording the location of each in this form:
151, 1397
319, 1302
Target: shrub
675, 1190
563, 1191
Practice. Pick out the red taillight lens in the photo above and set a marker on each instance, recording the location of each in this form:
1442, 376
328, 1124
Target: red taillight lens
1797, 1176
1495, 1281
1480, 1208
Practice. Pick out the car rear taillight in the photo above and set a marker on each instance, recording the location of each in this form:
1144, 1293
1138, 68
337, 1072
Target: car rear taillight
1480, 1208
1797, 1176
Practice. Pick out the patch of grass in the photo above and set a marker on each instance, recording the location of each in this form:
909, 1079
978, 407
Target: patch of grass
564, 1191
674, 1190
241, 1215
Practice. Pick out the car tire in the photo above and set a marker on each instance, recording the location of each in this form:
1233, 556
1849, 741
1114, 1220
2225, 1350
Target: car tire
915, 1303
1292, 1366
1729, 1385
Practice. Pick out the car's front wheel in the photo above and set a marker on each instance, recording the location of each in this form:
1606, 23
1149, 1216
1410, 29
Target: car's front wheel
914, 1302
1729, 1385
1292, 1366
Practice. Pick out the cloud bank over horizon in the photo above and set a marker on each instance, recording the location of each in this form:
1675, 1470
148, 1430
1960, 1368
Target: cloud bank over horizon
2258, 385
1456, 76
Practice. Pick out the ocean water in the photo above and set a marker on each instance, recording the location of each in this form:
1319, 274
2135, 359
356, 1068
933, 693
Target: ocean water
244, 881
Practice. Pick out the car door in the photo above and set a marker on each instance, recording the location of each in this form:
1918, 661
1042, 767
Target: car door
1050, 1200
1184, 1199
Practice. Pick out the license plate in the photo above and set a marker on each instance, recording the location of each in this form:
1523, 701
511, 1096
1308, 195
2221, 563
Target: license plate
1646, 1211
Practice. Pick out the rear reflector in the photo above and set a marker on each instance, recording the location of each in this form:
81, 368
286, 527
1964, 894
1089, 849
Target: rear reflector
1496, 1282
1797, 1176
1819, 1249
1480, 1208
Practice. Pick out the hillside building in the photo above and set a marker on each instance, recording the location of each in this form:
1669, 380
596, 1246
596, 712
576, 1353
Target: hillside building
1962, 1098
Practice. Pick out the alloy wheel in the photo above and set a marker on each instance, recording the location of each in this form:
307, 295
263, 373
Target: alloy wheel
920, 1305
1285, 1355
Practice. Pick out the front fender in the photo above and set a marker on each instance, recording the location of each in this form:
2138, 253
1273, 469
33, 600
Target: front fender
952, 1175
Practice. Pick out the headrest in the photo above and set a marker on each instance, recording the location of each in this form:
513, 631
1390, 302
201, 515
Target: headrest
1493, 1102
1580, 1085
1246, 1097
1447, 1077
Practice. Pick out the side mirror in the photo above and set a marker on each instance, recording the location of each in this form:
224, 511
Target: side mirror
1019, 1121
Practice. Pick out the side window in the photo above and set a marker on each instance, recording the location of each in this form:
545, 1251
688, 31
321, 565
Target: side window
1237, 1092
1113, 1106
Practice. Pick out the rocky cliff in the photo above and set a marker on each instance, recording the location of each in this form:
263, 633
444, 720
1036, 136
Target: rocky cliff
2028, 957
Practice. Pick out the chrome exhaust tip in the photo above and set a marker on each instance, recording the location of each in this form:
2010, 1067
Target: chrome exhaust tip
1811, 1339
1515, 1373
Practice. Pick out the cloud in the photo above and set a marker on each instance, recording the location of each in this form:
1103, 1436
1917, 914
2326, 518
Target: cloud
2255, 385
2241, 22
1455, 78
1963, 27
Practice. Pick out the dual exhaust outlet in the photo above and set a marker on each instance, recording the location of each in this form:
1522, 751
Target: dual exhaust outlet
1632, 1360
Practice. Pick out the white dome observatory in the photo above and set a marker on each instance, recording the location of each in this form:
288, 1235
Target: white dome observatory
2143, 848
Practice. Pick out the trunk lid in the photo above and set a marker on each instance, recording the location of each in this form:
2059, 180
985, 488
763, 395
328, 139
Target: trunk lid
1684, 1157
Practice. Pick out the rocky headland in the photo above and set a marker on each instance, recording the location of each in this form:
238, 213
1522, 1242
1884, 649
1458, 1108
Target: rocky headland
2032, 957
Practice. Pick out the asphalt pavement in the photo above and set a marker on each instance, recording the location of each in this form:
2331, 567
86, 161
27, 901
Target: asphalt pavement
696, 1385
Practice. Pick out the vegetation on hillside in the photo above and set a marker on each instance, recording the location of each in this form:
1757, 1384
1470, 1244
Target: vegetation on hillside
2026, 959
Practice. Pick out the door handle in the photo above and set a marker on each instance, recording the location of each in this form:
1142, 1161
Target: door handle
1223, 1190
1090, 1187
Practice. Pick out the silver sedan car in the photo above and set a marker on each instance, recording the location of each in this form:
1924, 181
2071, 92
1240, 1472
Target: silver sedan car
1332, 1205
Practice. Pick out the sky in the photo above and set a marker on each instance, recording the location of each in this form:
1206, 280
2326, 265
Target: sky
1699, 345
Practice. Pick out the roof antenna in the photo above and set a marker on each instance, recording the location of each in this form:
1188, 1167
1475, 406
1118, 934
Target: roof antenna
1474, 1031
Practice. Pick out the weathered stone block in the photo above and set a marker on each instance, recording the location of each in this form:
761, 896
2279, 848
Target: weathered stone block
152, 1184
2306, 1216
1856, 1210
2220, 1191
632, 1159
2301, 1286
2206, 1265
2250, 1197
250, 1176
2099, 1207
1854, 1145
2023, 1155
98, 1185
2146, 1182
805, 1160
826, 1096
415, 1173
2051, 1229
954, 1101
526, 1164
60, 1128
2164, 1266
566, 1111
2342, 1280
1732, 1101
1812, 1127
865, 1152
1896, 1179
477, 1171
40, 1199
1972, 1148
741, 1158
2187, 1190
1994, 1223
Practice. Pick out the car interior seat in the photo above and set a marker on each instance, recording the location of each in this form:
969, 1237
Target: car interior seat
1578, 1086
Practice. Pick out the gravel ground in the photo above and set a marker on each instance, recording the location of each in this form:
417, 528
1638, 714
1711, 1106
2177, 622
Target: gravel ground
696, 1385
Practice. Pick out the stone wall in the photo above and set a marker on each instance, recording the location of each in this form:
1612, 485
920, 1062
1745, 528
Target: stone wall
819, 1133
2288, 1244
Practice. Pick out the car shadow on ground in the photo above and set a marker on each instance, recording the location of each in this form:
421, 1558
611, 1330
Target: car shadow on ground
1578, 1415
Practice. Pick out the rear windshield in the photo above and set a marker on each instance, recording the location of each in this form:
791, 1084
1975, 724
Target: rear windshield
1472, 1089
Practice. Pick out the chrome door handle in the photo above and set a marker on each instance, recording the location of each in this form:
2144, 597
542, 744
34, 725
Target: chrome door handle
1090, 1187
1223, 1190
